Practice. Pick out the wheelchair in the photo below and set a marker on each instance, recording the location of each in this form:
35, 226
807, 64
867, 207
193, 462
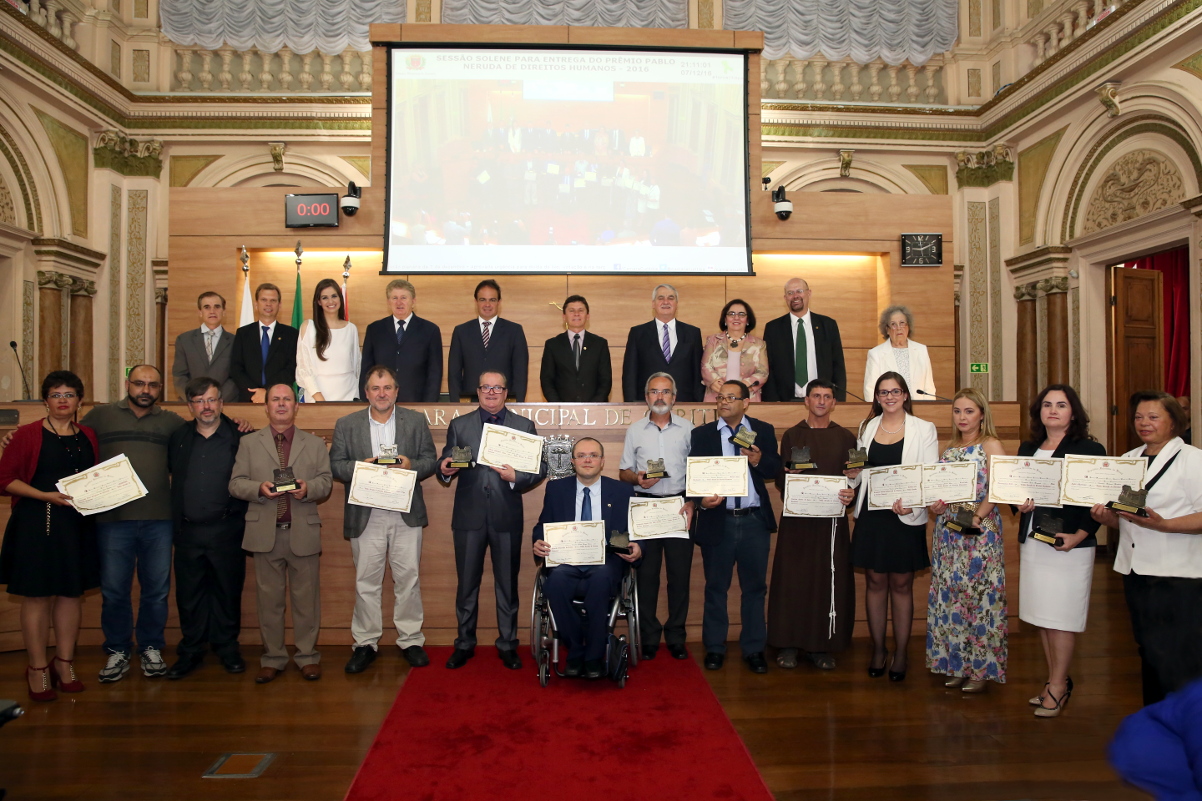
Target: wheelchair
621, 651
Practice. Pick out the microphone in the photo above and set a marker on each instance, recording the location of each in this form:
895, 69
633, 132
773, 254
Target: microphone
13, 344
932, 395
849, 392
9, 710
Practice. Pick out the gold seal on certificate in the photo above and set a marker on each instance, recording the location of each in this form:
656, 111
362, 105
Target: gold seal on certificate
388, 455
1131, 501
110, 484
1099, 479
813, 496
799, 459
381, 487
716, 475
500, 446
856, 458
655, 469
461, 457
284, 480
743, 438
950, 482
656, 518
899, 481
578, 543
1013, 479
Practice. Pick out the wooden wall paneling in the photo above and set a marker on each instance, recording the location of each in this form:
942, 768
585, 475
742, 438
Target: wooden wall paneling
385, 32
749, 40
379, 80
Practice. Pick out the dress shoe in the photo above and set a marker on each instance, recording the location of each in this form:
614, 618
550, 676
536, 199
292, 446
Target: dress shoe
41, 679
574, 668
756, 662
69, 685
875, 672
714, 660
649, 652
361, 657
1044, 711
185, 665
974, 686
233, 663
266, 675
678, 650
954, 682
594, 669
510, 659
311, 672
416, 656
459, 657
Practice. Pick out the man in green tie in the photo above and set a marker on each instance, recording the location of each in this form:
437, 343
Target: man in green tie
802, 345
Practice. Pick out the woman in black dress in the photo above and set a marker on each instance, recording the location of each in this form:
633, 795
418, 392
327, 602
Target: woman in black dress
49, 553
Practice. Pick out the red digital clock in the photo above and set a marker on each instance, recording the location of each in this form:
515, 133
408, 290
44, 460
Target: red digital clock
311, 211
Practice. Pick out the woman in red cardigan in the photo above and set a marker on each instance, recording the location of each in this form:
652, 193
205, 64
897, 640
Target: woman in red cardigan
49, 553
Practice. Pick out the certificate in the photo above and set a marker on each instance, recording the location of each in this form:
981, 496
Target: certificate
1099, 479
950, 482
716, 475
382, 487
887, 484
578, 543
656, 518
1013, 479
500, 446
110, 484
813, 496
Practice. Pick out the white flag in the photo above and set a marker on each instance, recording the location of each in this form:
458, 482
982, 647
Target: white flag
247, 315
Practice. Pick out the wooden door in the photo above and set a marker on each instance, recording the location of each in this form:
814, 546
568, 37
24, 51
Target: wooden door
1136, 345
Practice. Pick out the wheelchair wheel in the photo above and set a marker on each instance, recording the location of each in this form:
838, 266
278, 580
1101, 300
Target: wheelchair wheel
544, 668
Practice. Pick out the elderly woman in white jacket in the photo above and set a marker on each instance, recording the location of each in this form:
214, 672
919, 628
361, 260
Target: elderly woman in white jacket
900, 354
890, 543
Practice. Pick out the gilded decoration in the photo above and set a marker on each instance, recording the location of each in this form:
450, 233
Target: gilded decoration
1074, 335
114, 266
1192, 65
845, 157
185, 168
1108, 95
933, 176
71, 149
142, 66
26, 188
28, 289
1140, 182
277, 155
1041, 339
135, 278
995, 298
423, 11
1034, 8
360, 163
985, 167
974, 83
766, 167
974, 17
705, 14
978, 331
1032, 170
8, 211
126, 156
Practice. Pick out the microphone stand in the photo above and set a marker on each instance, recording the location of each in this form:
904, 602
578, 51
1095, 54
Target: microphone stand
932, 395
13, 344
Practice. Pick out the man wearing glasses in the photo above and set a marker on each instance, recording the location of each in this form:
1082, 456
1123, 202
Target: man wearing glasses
802, 345
487, 516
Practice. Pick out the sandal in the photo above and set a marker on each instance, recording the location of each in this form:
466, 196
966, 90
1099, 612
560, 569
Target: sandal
787, 658
1042, 711
821, 660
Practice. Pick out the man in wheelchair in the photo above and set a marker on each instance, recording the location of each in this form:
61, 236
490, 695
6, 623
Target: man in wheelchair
586, 496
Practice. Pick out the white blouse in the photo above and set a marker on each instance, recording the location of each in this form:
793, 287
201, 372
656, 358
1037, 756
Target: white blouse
1179, 492
337, 377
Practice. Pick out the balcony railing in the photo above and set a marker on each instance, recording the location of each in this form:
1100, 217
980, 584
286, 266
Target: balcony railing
229, 71
819, 80
1058, 25
58, 18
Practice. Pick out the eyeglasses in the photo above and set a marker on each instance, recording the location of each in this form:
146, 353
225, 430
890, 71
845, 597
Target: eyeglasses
729, 398
888, 393
736, 314
62, 396
487, 390
145, 385
660, 393
204, 401
902, 324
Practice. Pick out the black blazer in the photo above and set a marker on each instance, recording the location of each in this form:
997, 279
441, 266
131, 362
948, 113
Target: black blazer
179, 454
417, 361
828, 348
611, 499
481, 496
560, 379
1076, 518
709, 524
507, 353
246, 360
645, 355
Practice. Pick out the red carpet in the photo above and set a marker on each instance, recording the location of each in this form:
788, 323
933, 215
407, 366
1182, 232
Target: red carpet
486, 732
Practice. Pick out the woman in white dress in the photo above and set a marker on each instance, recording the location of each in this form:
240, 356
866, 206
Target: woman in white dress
900, 354
327, 353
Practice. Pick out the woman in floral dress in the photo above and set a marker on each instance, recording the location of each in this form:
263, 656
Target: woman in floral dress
966, 606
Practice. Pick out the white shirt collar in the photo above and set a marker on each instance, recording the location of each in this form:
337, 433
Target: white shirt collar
374, 422
491, 320
405, 320
204, 329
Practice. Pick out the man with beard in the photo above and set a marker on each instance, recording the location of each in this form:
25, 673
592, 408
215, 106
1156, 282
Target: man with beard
802, 346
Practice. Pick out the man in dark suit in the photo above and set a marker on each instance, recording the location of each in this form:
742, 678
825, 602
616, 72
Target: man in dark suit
205, 351
802, 346
585, 496
487, 516
664, 345
736, 531
487, 343
210, 566
576, 365
264, 352
408, 345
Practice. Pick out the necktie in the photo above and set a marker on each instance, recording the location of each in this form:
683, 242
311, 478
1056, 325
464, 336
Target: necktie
485, 335
264, 344
209, 344
400, 331
667, 345
492, 418
586, 507
738, 500
801, 361
576, 350
281, 503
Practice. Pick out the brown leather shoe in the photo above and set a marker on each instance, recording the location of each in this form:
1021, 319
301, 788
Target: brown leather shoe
311, 672
266, 674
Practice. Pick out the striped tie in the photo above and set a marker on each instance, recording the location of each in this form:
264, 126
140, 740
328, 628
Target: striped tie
485, 336
281, 503
667, 344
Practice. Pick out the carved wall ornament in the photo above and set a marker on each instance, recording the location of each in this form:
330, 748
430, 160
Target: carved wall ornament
126, 156
80, 286
984, 168
1026, 292
1108, 94
277, 155
1140, 182
49, 278
845, 157
1052, 286
8, 209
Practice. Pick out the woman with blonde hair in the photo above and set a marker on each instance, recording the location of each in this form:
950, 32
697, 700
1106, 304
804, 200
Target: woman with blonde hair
966, 605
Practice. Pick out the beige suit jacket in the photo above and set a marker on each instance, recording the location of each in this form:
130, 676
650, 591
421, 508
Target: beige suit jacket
256, 463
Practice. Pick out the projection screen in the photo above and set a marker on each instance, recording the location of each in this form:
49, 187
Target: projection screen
508, 160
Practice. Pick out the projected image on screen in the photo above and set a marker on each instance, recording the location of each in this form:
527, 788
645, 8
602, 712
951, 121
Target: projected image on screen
567, 161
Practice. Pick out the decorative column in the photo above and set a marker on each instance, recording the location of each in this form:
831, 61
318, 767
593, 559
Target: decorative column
1056, 290
79, 351
160, 329
1027, 353
52, 311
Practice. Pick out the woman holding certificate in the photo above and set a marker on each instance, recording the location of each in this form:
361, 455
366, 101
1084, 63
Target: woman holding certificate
966, 606
1160, 556
890, 538
327, 350
1055, 580
49, 554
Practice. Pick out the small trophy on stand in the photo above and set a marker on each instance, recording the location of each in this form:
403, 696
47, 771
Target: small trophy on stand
1131, 501
655, 469
856, 458
619, 542
961, 523
799, 459
388, 455
1048, 529
284, 481
743, 438
461, 457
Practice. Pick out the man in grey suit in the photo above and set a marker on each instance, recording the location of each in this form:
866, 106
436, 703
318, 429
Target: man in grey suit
283, 531
382, 537
487, 516
205, 351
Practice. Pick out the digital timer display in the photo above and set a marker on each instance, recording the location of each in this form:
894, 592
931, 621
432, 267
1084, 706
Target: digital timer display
311, 211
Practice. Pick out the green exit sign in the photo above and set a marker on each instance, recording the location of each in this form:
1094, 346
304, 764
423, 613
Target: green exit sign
978, 367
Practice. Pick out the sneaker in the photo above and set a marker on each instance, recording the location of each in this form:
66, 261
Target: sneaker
115, 669
152, 663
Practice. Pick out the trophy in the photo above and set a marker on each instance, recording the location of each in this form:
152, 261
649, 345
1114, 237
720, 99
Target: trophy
743, 438
557, 453
619, 542
856, 458
461, 457
1047, 529
961, 523
284, 480
387, 455
655, 469
1131, 501
800, 460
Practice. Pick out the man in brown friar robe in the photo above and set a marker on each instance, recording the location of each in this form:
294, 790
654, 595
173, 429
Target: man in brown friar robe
812, 603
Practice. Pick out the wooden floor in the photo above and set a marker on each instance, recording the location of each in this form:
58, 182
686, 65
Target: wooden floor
838, 735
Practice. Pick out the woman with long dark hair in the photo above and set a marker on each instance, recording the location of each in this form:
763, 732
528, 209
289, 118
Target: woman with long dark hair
327, 352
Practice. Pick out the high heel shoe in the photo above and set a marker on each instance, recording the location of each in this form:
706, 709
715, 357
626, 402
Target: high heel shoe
876, 673
1038, 699
953, 682
47, 692
72, 686
974, 686
897, 675
1042, 711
